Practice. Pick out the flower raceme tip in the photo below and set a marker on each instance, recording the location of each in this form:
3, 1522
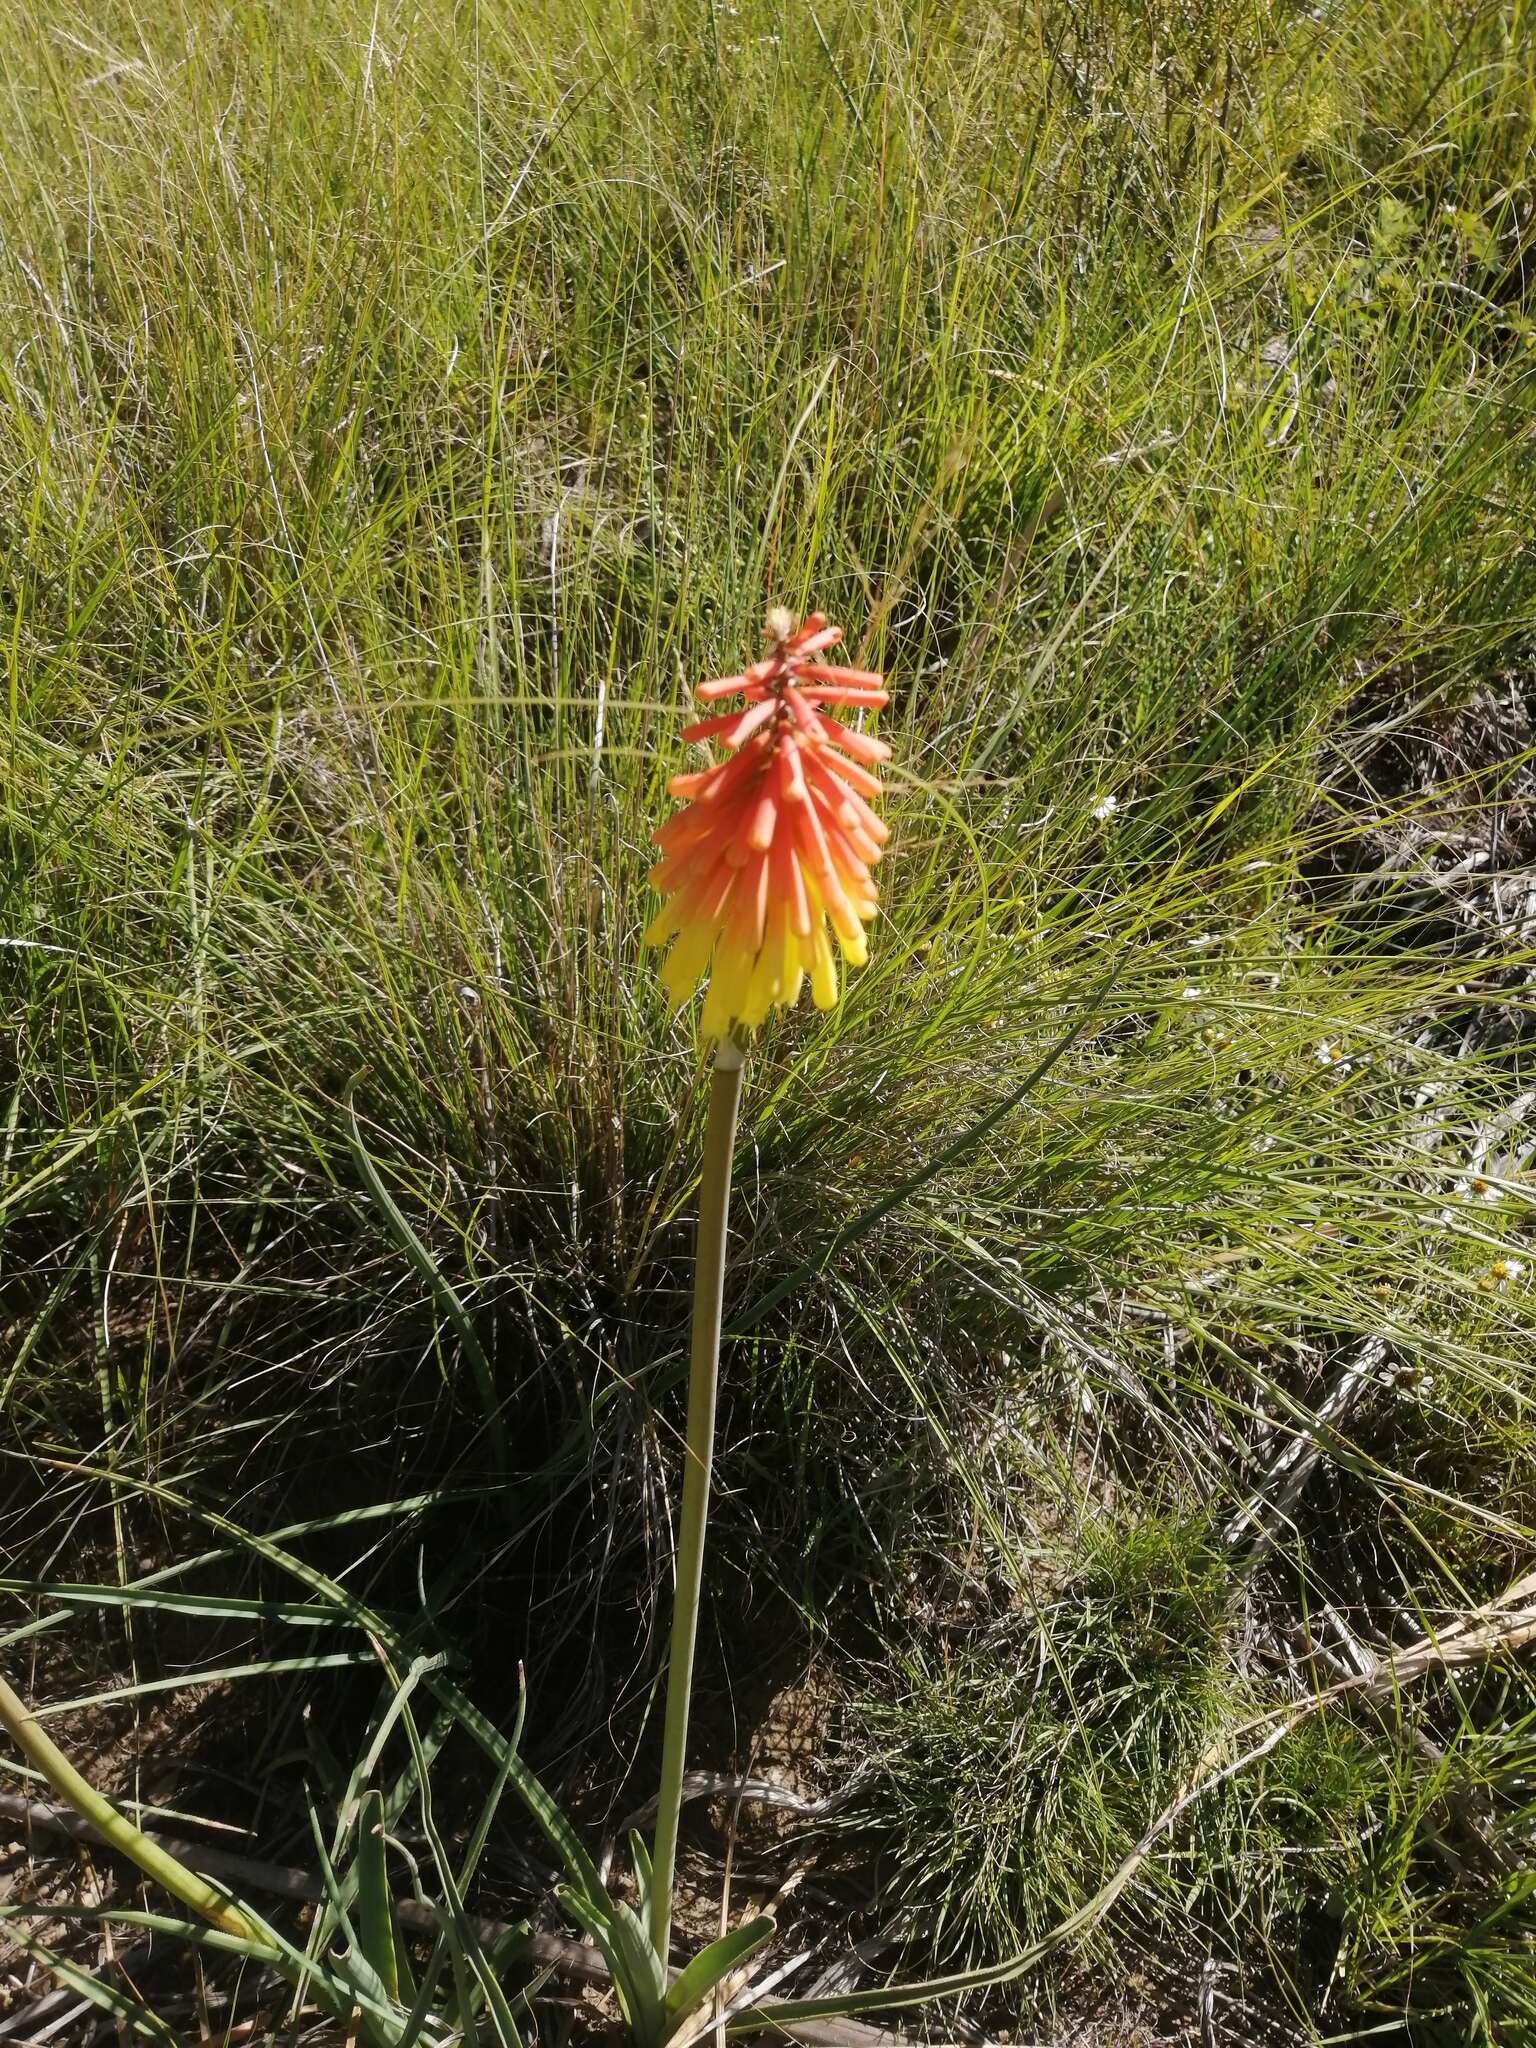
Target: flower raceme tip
777, 840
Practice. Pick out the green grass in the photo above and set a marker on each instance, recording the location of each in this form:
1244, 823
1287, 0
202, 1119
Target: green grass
399, 409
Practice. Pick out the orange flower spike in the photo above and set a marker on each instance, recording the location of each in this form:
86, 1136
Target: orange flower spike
777, 838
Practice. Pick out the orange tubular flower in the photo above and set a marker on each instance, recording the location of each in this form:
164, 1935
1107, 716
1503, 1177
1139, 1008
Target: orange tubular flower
776, 839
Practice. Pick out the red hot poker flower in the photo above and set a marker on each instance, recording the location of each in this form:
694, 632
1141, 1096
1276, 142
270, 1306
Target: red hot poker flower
777, 839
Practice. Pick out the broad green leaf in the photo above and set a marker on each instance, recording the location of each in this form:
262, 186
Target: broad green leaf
378, 2010
268, 1667
689, 1989
645, 1963
397, 1511
640, 1857
201, 1606
639, 1977
395, 1799
375, 1907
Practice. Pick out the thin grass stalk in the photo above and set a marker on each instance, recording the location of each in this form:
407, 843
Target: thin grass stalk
703, 1382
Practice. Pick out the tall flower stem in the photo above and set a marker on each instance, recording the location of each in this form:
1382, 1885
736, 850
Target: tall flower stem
703, 1379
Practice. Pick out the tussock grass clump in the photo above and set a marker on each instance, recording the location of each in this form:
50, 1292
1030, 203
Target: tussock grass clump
401, 408
1013, 1766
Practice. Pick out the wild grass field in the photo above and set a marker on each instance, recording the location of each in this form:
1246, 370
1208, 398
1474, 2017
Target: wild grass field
1129, 1378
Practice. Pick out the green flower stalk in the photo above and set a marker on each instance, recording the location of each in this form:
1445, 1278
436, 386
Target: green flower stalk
776, 843
703, 1383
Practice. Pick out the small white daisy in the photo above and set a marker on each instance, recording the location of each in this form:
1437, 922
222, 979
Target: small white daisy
1105, 808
